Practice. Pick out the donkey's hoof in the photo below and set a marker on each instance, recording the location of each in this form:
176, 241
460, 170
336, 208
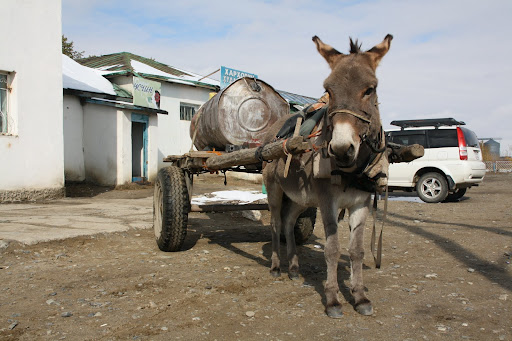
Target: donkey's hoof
365, 308
334, 312
293, 275
275, 272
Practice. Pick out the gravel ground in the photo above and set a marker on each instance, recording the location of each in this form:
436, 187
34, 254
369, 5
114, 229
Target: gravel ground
446, 275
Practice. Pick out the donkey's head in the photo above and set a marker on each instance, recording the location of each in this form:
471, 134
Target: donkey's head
353, 105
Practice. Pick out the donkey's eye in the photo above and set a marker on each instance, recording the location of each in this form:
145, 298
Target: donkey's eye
369, 91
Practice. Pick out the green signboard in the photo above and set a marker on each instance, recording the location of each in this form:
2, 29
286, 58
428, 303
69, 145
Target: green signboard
146, 93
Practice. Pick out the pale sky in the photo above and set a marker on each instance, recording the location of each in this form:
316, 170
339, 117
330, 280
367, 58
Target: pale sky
447, 59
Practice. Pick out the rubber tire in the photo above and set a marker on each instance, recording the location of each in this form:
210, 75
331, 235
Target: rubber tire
170, 209
304, 226
439, 180
459, 193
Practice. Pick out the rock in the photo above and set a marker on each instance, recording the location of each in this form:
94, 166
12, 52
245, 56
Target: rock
252, 215
250, 313
13, 325
471, 270
66, 314
98, 314
153, 304
503, 297
3, 244
434, 275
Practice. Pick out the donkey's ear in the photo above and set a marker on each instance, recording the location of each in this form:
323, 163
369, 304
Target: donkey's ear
378, 51
330, 54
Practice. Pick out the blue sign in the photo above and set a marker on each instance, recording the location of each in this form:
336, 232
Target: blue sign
228, 76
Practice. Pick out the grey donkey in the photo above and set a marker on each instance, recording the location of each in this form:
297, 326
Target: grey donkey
349, 134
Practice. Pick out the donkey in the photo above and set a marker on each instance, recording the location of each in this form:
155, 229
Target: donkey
352, 131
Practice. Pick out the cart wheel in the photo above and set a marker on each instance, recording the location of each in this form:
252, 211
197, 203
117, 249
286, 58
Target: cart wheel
170, 208
304, 226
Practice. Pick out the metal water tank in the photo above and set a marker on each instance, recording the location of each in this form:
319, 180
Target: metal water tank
240, 113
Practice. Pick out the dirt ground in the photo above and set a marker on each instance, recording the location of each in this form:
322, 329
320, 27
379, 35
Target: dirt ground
446, 275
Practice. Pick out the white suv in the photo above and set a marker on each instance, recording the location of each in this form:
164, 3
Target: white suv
452, 162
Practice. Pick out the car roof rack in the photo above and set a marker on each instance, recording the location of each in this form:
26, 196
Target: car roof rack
428, 122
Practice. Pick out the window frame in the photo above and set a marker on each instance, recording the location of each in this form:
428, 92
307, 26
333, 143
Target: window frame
185, 116
4, 116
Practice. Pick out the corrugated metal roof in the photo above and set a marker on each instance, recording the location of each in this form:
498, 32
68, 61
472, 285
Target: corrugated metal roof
297, 99
120, 92
122, 62
129, 63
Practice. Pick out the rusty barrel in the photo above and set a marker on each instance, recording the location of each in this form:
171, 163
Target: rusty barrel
240, 113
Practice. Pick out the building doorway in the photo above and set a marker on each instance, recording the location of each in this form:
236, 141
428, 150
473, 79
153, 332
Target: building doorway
139, 147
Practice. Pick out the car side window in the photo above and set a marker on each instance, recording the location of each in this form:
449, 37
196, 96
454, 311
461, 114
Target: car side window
408, 138
440, 138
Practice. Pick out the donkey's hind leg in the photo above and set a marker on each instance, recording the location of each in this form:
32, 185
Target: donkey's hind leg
357, 221
275, 201
290, 211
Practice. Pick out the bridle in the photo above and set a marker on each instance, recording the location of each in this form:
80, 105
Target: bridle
373, 143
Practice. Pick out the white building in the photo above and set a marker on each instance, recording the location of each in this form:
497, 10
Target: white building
31, 133
111, 138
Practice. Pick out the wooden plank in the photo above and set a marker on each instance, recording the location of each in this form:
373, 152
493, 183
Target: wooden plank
271, 151
399, 153
289, 157
227, 207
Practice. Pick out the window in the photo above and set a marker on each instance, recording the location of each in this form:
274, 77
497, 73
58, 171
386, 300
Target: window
441, 138
409, 137
187, 111
4, 105
470, 137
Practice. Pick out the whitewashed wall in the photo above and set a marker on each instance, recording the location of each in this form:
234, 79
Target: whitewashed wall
98, 143
169, 135
74, 167
32, 158
174, 136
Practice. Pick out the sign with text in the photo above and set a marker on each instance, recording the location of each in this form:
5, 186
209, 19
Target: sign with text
228, 76
146, 93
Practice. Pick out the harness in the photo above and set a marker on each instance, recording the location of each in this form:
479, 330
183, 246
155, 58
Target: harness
359, 179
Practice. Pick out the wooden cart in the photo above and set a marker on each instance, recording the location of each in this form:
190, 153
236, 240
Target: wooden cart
173, 188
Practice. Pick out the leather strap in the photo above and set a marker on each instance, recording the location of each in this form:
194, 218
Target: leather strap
350, 112
378, 258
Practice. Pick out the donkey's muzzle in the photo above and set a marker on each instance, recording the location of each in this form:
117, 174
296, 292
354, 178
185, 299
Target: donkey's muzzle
345, 155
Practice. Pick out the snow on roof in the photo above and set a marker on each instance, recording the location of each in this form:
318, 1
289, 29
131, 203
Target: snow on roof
149, 70
79, 77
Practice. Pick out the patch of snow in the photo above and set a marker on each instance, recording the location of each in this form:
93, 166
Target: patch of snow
107, 67
79, 77
144, 68
408, 199
243, 197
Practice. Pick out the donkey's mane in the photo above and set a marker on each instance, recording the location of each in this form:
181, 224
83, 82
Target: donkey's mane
355, 46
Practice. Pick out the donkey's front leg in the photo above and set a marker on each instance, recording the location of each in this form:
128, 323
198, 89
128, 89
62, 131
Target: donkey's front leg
332, 255
357, 221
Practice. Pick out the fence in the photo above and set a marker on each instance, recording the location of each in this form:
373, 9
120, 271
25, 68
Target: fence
498, 166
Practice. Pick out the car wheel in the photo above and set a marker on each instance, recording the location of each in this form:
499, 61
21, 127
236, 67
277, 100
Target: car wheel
432, 187
459, 193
